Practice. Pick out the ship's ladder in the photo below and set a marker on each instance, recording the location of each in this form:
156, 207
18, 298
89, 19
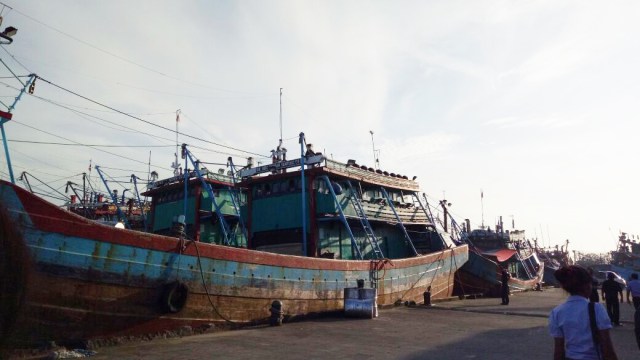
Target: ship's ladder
399, 224
366, 226
235, 202
427, 211
343, 219
234, 192
524, 265
224, 225
457, 234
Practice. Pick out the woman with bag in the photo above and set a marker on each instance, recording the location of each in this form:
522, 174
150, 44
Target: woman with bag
580, 328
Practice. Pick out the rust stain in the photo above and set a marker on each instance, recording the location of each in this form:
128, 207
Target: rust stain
96, 250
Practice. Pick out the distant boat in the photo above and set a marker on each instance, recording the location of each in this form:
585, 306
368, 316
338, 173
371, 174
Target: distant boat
220, 252
109, 213
553, 259
108, 208
490, 252
625, 260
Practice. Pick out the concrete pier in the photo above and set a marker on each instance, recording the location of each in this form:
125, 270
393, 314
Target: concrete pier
457, 329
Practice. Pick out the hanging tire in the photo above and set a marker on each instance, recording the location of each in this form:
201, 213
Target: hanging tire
174, 297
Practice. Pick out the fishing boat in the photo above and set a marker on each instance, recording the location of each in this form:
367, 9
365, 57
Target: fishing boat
109, 208
232, 247
625, 260
490, 251
553, 258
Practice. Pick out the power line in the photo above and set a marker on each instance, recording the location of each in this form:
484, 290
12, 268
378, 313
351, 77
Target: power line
91, 145
80, 113
108, 152
142, 120
121, 58
16, 60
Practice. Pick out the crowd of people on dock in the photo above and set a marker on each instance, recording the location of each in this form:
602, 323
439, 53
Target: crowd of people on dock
580, 326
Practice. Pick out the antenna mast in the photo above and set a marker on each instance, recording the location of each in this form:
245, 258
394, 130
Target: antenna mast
376, 160
482, 206
176, 164
280, 116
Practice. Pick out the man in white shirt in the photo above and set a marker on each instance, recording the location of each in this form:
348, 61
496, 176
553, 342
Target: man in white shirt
633, 289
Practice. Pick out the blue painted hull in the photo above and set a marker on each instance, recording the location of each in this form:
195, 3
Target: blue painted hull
89, 281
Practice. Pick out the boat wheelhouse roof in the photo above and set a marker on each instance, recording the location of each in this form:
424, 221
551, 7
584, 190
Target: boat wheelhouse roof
319, 165
162, 186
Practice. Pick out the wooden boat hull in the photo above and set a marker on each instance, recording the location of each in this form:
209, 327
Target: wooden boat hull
481, 276
87, 280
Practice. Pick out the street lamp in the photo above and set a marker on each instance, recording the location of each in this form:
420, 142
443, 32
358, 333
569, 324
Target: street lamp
7, 34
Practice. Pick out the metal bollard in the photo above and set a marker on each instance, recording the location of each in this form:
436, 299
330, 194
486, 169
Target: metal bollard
427, 297
277, 313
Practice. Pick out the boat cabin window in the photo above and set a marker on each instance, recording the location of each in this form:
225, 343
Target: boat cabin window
278, 187
175, 195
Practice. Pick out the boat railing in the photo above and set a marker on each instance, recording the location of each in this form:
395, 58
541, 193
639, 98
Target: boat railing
372, 176
382, 211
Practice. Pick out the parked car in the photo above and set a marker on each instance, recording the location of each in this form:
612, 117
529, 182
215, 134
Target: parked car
601, 276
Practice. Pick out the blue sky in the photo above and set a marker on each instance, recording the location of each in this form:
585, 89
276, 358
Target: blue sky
531, 102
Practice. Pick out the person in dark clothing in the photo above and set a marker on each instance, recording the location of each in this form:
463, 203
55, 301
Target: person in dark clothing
636, 321
610, 291
594, 297
505, 287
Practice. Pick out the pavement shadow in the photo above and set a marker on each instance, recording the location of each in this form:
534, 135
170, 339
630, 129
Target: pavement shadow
528, 343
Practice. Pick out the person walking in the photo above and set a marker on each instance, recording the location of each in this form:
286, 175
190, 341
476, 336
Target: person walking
580, 328
505, 287
610, 291
633, 289
636, 321
594, 287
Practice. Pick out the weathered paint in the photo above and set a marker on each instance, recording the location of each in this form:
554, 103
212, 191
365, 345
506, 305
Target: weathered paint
91, 280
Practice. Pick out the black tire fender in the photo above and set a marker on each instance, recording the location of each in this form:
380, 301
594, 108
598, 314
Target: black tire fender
174, 296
